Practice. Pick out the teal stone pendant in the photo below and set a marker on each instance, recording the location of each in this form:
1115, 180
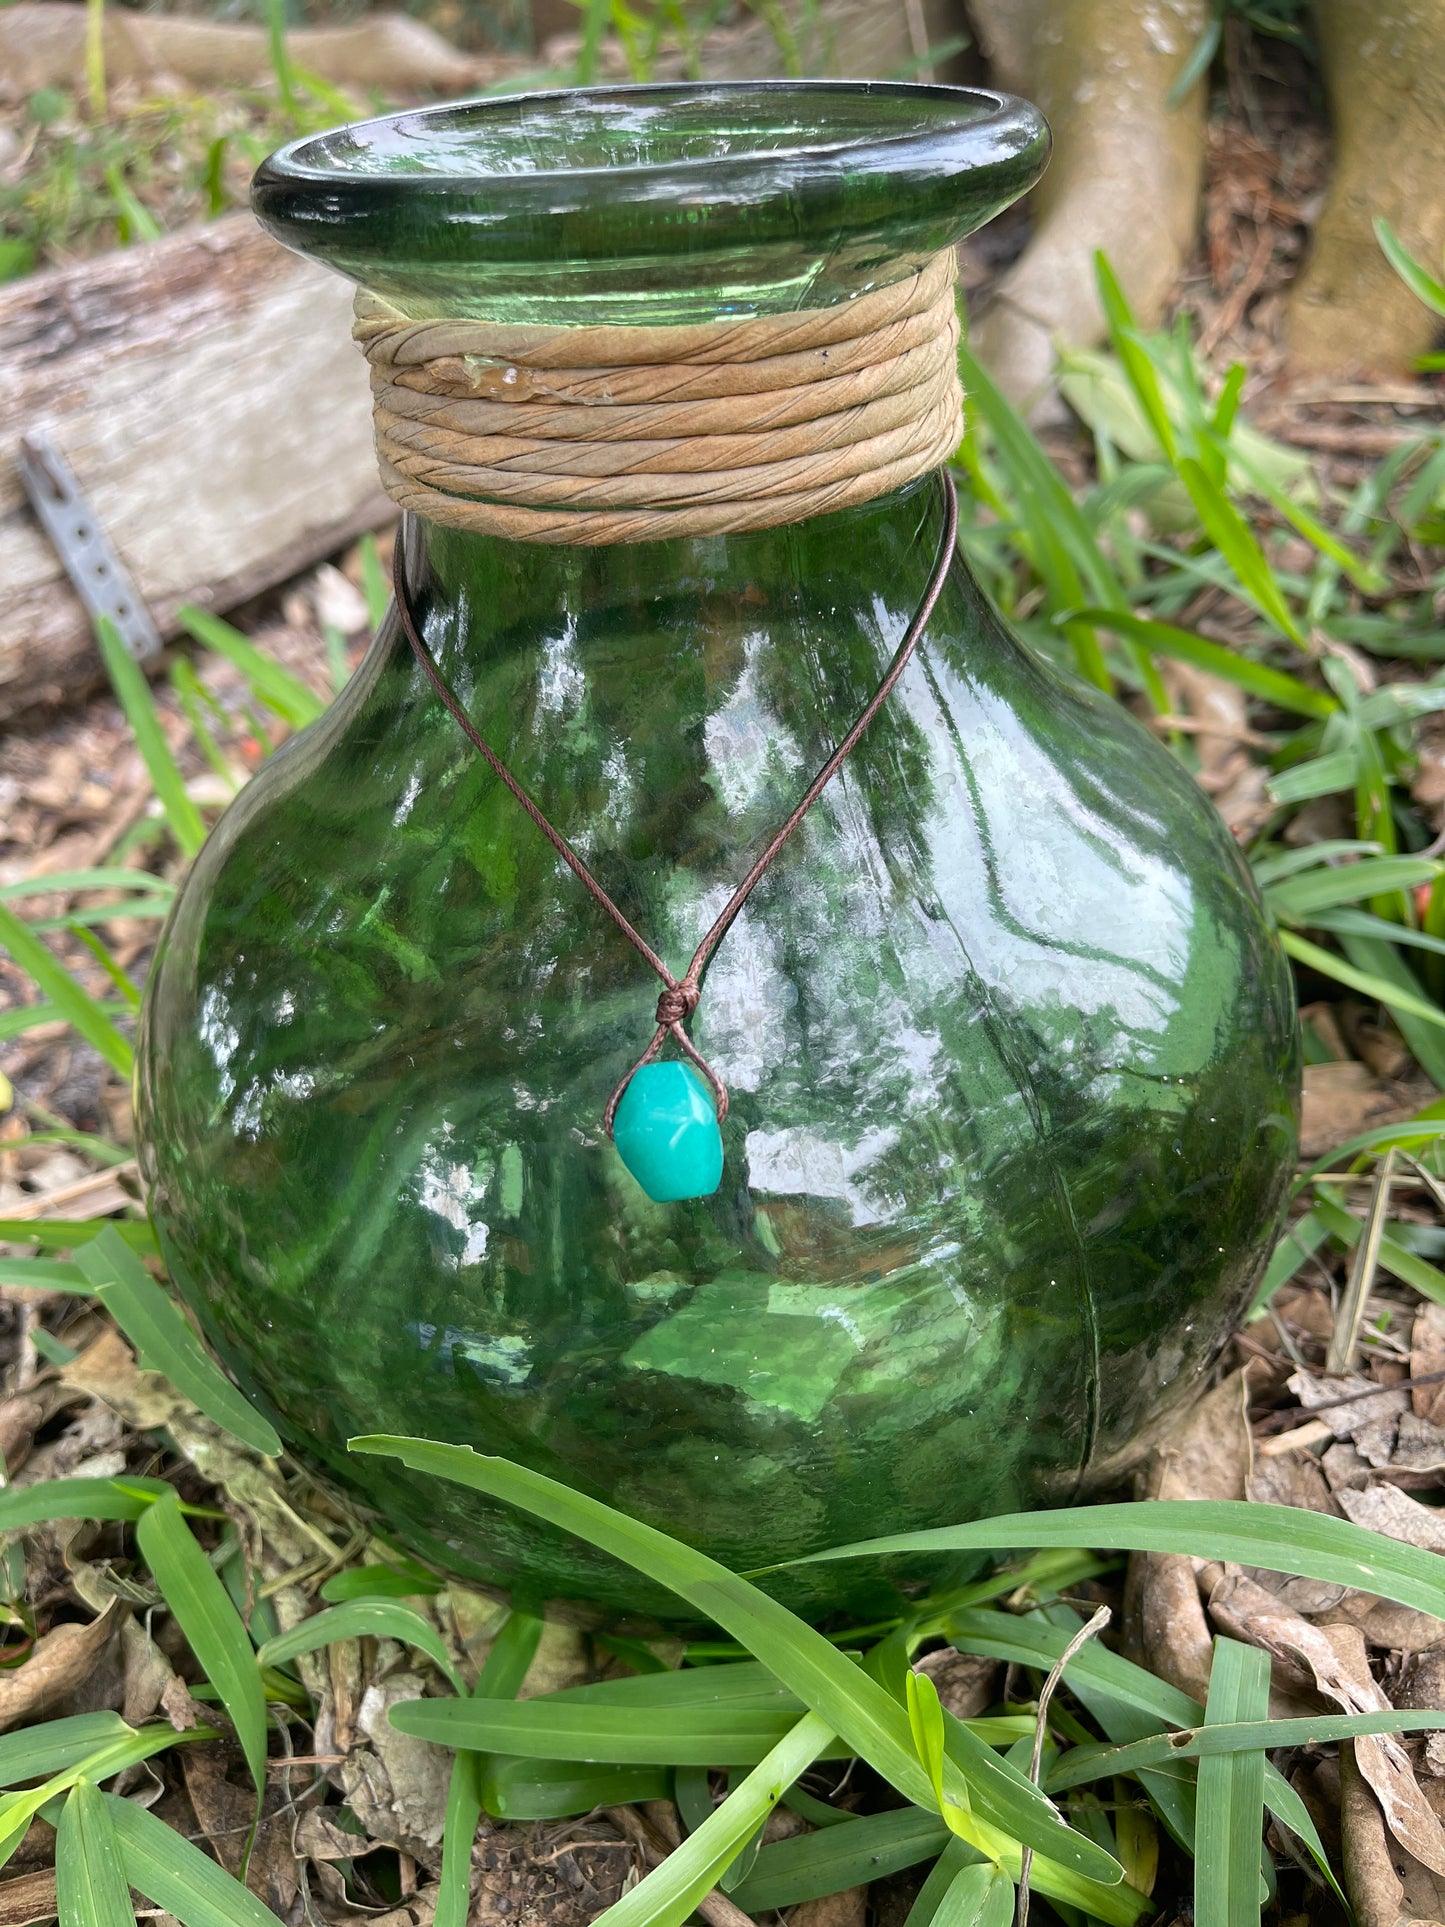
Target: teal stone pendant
667, 1134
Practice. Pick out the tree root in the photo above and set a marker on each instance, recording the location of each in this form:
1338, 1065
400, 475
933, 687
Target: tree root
1125, 177
1384, 63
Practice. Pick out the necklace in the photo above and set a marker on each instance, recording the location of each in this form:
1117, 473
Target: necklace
664, 1120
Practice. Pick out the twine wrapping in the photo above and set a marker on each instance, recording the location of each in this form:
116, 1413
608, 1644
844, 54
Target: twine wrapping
597, 435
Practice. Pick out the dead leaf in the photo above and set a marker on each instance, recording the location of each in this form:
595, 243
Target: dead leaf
1375, 1889
848, 1909
225, 1811
1173, 1632
1387, 1886
1291, 1478
1421, 1684
419, 1911
1305, 1309
1396, 1629
1343, 1466
397, 1787
1208, 1451
1385, 1508
1294, 1478
317, 1838
1205, 1455
1340, 1100
183, 1712
1370, 1416
30, 1897
21, 1418
1334, 1657
147, 1673
60, 1664
147, 1402
1427, 1355
561, 1660
965, 1685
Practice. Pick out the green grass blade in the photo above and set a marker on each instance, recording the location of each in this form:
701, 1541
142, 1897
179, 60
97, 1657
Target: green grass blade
1034, 1641
1083, 1764
977, 1897
1164, 639
1279, 1538
1075, 567
65, 882
539, 1729
1299, 896
1368, 982
812, 1865
1363, 923
1297, 1245
211, 1624
33, 1505
555, 1789
361, 1619
1418, 1018
866, 1718
45, 1274
1230, 534
1133, 356
90, 1887
1366, 576
1414, 1134
270, 682
164, 1866
134, 695
1421, 283
743, 1683
66, 1234
165, 1342
1227, 407
129, 994
513, 1650
950, 1863
67, 998
459, 1830
1404, 1264
40, 1751
507, 1664
1286, 1806
382, 1582
373, 580
1230, 1813
670, 1892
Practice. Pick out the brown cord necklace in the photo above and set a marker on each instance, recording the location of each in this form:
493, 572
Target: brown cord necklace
681, 995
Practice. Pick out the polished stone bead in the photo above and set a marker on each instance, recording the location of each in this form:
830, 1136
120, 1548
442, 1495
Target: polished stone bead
666, 1133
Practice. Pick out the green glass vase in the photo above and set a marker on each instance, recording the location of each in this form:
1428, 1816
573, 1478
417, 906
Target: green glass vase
1010, 1044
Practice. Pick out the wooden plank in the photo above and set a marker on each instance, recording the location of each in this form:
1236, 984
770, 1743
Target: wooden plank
205, 391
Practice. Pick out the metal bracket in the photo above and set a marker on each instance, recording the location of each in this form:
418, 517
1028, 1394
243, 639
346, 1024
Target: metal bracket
101, 579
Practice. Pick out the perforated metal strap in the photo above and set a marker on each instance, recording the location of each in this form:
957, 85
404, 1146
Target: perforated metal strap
100, 578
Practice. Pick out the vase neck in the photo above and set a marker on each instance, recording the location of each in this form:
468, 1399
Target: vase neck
788, 596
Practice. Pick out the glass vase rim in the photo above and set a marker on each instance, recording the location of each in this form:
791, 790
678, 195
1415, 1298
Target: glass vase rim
845, 154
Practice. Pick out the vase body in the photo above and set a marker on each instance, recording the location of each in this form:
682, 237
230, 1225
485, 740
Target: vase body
1009, 1043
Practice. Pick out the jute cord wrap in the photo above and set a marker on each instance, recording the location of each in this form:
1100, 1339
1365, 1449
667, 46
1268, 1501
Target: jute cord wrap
596, 435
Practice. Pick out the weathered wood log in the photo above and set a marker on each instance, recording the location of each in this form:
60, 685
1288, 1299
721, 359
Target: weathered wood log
205, 392
42, 44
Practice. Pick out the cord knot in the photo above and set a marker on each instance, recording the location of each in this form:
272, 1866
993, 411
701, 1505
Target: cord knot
677, 1003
